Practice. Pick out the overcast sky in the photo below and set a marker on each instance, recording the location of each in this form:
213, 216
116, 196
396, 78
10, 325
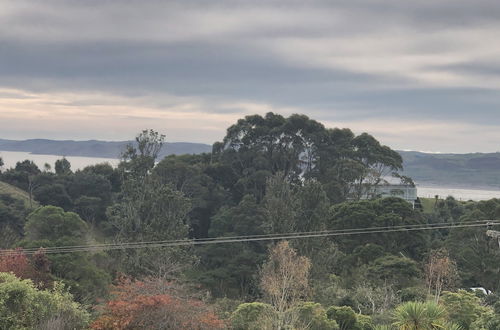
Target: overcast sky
421, 75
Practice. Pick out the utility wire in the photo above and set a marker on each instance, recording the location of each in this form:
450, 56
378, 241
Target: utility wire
131, 244
243, 238
248, 238
121, 244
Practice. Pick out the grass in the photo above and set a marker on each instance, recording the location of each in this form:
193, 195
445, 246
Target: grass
17, 193
427, 204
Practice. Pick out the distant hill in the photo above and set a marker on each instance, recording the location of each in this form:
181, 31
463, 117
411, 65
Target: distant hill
476, 170
94, 148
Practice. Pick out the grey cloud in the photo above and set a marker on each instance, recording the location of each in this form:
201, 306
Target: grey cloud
181, 68
180, 19
222, 71
230, 51
206, 69
475, 68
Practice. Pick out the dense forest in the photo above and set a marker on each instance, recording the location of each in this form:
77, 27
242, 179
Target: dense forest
276, 228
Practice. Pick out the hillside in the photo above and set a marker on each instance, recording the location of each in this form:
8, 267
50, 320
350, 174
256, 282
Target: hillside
94, 148
476, 170
17, 193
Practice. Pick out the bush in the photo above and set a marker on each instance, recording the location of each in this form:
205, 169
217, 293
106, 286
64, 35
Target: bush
313, 316
345, 316
252, 316
347, 319
23, 306
154, 304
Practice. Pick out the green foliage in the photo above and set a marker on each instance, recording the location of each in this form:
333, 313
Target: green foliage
413, 293
364, 322
252, 316
147, 209
462, 307
313, 316
193, 176
53, 194
89, 208
52, 223
477, 256
150, 212
229, 269
344, 316
281, 205
12, 214
50, 226
23, 306
400, 271
106, 171
489, 320
81, 274
139, 158
62, 166
383, 327
66, 188
224, 307
269, 175
364, 254
16, 193
310, 207
329, 290
314, 206
27, 167
449, 209
23, 176
245, 218
347, 319
419, 316
376, 300
423, 316
257, 147
377, 162
385, 212
91, 185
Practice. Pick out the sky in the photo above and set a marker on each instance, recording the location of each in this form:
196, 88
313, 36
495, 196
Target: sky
421, 75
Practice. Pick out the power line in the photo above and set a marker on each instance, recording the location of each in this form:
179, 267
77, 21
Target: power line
131, 244
248, 238
121, 244
218, 240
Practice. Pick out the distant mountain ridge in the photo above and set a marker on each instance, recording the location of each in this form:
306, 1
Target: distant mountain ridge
94, 148
473, 170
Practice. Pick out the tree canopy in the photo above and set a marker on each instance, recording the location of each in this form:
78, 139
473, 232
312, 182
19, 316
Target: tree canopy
270, 175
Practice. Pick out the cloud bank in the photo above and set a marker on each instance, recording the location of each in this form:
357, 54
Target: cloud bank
422, 75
